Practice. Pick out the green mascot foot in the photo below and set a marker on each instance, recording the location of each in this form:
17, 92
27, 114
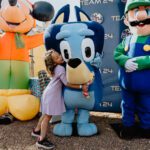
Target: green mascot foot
63, 129
87, 129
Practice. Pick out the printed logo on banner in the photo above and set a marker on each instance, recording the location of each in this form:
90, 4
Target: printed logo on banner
108, 36
107, 71
106, 103
97, 17
115, 88
125, 33
95, 2
118, 18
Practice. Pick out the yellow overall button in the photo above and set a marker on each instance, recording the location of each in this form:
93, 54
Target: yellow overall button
146, 48
126, 48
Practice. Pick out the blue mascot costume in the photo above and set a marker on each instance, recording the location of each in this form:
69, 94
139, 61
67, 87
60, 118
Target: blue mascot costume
133, 55
80, 43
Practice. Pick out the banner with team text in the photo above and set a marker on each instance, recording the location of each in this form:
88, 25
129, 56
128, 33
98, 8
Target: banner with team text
110, 13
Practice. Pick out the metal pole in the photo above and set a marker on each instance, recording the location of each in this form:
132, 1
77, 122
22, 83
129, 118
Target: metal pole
31, 55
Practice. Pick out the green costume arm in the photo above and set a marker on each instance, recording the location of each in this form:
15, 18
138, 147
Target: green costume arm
119, 54
143, 62
120, 57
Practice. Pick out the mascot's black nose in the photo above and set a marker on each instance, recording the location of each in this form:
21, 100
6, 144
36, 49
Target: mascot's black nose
12, 2
74, 62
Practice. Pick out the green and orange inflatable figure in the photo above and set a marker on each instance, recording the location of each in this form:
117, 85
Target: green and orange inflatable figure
17, 18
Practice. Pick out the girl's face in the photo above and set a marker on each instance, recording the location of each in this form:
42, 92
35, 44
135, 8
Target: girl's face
57, 58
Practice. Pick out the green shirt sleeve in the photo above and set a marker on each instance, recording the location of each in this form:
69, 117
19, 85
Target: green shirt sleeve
143, 62
119, 54
120, 57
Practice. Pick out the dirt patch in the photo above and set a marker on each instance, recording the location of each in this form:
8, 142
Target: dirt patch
17, 136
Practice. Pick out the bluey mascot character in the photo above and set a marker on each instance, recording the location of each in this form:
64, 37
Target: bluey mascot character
133, 56
80, 44
17, 18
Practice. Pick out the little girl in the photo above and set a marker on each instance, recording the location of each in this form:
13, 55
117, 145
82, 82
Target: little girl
52, 102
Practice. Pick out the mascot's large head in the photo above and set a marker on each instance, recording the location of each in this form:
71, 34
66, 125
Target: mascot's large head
79, 42
19, 15
138, 16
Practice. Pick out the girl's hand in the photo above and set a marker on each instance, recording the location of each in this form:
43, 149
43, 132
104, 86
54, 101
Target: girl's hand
89, 82
84, 88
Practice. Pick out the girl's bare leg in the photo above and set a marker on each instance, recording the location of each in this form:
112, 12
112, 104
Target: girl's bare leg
44, 126
38, 127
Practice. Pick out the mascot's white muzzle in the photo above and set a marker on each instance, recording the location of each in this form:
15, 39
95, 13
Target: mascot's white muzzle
77, 72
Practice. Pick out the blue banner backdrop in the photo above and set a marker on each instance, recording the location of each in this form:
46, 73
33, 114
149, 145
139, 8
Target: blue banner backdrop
110, 13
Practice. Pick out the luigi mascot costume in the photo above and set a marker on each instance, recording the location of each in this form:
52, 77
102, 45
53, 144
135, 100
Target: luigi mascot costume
133, 57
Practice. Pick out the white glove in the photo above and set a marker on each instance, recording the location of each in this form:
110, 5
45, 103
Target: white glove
130, 65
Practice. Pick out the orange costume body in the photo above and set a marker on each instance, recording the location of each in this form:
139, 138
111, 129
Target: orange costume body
15, 74
9, 51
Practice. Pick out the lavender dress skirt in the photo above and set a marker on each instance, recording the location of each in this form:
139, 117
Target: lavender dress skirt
52, 100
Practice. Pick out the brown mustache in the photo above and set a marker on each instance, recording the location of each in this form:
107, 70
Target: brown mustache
135, 23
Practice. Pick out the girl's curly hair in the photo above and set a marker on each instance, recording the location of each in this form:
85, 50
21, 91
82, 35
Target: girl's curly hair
49, 63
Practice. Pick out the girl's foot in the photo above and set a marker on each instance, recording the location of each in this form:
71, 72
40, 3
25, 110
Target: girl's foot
45, 144
6, 119
35, 133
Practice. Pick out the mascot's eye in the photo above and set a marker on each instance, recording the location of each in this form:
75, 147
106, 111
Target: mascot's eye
88, 49
135, 12
66, 54
88, 52
65, 50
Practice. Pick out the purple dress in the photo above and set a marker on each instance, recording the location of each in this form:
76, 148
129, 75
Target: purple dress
52, 99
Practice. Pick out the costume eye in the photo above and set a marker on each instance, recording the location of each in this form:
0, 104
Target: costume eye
88, 49
18, 5
135, 12
65, 50
148, 11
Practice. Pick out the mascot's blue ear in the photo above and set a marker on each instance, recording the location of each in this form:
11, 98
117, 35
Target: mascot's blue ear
81, 15
62, 15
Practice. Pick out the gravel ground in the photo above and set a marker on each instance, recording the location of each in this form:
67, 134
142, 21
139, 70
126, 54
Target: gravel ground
16, 136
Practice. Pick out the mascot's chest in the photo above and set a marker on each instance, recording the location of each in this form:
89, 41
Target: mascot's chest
136, 80
75, 99
138, 47
9, 50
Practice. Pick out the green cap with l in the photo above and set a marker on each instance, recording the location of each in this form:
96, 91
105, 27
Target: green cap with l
131, 4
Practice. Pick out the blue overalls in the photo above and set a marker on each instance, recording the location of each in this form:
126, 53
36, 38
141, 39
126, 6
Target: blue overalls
136, 87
